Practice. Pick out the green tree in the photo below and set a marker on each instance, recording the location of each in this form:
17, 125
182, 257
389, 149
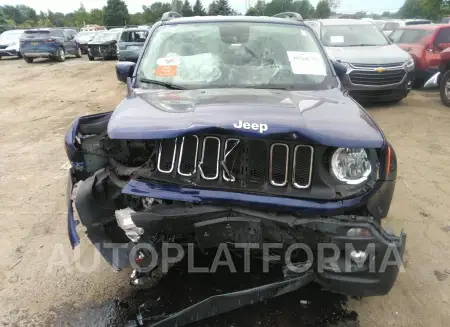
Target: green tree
154, 12
28, 24
252, 11
198, 9
19, 13
431, 9
137, 19
186, 11
304, 8
411, 9
2, 17
276, 6
334, 4
96, 16
323, 9
177, 5
57, 18
223, 8
115, 13
213, 9
81, 16
258, 9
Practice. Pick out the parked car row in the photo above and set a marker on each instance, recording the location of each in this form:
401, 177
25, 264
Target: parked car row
377, 70
58, 43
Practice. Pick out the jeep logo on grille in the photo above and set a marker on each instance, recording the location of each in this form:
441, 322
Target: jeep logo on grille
251, 126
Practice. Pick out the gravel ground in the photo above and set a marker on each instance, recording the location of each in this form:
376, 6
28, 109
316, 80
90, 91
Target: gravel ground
44, 283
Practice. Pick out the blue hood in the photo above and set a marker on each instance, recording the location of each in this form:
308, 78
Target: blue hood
326, 117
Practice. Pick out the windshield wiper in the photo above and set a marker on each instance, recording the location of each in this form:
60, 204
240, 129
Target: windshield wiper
165, 84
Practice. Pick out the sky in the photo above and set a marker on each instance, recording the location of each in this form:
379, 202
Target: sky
347, 6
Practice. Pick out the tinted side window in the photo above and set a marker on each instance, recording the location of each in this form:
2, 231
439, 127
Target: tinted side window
134, 36
443, 36
56, 33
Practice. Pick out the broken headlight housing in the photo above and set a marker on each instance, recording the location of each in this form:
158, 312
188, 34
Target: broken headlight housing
351, 166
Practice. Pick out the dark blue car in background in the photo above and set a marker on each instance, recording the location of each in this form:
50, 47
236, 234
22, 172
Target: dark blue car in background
53, 43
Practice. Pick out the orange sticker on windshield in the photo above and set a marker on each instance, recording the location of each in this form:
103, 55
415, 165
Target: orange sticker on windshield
166, 71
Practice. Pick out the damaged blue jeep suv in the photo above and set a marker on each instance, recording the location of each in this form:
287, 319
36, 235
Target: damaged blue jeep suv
237, 130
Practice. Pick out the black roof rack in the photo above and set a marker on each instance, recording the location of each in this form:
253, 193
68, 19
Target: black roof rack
290, 15
170, 15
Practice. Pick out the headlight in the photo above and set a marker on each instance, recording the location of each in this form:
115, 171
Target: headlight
351, 166
409, 65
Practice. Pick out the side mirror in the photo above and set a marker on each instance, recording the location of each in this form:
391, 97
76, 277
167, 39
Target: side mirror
340, 69
124, 70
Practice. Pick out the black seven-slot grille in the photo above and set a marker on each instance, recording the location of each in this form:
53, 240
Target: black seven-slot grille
238, 162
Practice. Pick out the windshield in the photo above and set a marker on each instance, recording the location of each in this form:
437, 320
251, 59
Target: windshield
106, 36
407, 36
352, 35
235, 55
10, 36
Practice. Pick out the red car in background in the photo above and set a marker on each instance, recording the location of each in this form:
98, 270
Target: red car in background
424, 43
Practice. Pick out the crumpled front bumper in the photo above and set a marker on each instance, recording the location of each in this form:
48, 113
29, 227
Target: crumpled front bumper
229, 223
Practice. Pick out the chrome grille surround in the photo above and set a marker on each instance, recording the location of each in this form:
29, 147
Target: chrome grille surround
180, 160
227, 174
294, 167
161, 153
237, 163
271, 165
202, 161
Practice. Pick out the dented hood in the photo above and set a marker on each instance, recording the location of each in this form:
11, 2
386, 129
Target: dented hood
327, 117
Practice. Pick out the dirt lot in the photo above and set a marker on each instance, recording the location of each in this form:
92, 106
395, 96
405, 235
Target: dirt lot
39, 101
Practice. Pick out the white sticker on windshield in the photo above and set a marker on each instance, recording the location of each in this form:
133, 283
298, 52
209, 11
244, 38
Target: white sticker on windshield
307, 63
168, 61
336, 39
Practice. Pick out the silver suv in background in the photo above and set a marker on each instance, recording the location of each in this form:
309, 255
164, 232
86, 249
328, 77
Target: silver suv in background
377, 70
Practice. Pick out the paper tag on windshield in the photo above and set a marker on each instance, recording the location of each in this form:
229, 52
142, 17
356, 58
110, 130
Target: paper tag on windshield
168, 61
336, 39
306, 63
166, 71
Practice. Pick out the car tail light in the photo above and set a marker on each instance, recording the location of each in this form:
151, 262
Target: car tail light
22, 41
50, 41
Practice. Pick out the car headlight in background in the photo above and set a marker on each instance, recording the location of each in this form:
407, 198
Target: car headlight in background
351, 166
409, 64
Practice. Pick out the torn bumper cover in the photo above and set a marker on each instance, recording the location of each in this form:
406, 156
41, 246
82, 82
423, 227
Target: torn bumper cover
211, 225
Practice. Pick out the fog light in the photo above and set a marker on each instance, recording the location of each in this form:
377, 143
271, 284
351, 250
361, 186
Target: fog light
358, 256
359, 232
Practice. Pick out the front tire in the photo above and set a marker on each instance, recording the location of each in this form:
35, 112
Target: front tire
28, 60
444, 89
78, 53
61, 55
91, 58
